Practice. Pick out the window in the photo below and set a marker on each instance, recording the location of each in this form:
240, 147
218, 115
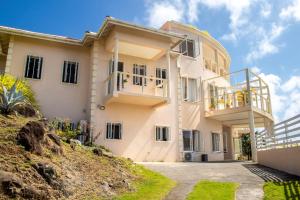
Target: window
113, 130
191, 140
187, 48
215, 141
162, 133
34, 66
70, 72
189, 89
141, 71
161, 74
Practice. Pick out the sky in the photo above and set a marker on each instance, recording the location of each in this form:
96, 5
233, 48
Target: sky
259, 34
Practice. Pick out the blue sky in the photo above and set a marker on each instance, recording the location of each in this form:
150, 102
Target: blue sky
260, 34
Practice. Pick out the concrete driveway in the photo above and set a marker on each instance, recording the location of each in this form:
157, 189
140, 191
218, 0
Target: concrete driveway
251, 177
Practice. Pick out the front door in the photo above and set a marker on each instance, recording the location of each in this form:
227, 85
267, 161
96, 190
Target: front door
120, 77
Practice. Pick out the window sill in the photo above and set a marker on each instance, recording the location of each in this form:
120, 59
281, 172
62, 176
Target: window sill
189, 57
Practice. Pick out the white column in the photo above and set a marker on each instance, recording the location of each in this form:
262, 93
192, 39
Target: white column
116, 60
93, 86
169, 73
9, 54
251, 119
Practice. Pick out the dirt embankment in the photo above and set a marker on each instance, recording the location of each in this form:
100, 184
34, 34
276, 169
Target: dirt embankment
36, 164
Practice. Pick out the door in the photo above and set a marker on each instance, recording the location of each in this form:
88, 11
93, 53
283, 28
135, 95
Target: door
120, 77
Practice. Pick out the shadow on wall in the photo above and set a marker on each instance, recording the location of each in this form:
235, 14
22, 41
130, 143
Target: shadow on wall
289, 182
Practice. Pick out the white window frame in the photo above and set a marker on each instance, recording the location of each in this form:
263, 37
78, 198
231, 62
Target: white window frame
186, 51
160, 134
111, 134
215, 143
186, 96
200, 147
159, 75
137, 69
65, 70
39, 70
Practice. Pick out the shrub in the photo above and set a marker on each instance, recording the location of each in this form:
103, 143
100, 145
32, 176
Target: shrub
64, 128
10, 98
22, 85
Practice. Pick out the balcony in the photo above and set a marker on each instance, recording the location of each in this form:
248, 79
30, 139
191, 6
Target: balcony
123, 87
229, 98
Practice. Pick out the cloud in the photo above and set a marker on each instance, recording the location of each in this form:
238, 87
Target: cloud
158, 12
266, 10
292, 84
266, 45
291, 12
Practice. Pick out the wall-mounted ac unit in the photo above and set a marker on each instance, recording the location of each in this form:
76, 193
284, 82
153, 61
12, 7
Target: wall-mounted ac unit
187, 156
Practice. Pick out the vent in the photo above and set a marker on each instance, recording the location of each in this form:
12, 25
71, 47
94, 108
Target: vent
188, 156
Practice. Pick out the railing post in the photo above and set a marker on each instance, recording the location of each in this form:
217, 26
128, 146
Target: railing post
248, 88
261, 96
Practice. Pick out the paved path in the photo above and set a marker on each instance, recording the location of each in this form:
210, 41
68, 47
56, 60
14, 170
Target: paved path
251, 177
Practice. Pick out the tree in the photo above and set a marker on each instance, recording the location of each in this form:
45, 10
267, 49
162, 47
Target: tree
246, 145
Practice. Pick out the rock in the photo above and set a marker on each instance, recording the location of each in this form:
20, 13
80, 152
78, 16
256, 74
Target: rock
32, 193
26, 110
55, 138
74, 143
107, 154
11, 185
46, 171
31, 137
98, 152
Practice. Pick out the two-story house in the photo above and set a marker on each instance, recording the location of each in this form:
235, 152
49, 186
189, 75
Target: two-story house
149, 94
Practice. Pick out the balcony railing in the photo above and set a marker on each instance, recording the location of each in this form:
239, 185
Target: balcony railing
135, 84
282, 135
238, 89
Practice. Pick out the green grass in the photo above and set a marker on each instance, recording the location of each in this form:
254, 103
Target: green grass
210, 190
282, 190
152, 185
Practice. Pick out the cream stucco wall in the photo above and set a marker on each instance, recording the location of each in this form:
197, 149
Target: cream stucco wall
56, 99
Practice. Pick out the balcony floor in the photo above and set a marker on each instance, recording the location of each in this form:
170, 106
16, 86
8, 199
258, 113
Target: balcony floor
136, 99
238, 117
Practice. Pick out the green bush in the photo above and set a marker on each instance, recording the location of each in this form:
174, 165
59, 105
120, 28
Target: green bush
22, 85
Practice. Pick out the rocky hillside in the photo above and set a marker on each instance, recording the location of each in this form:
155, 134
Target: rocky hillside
36, 164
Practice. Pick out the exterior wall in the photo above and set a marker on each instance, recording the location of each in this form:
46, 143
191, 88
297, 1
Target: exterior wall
55, 98
138, 122
193, 113
285, 159
228, 154
2, 63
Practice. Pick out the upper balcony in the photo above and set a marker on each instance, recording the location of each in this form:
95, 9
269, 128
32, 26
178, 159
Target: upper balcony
129, 88
228, 98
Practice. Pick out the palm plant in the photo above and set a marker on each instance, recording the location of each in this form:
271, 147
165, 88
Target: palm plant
10, 98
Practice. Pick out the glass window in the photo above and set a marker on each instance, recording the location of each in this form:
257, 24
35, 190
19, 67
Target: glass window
34, 66
189, 89
187, 48
160, 74
70, 72
162, 133
215, 141
113, 130
191, 140
141, 71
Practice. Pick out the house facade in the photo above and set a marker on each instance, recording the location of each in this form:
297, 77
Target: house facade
149, 94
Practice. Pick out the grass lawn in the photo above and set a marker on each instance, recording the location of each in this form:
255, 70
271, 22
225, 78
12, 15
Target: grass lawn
282, 190
153, 186
210, 190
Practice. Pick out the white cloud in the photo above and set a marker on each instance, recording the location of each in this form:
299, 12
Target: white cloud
158, 12
292, 84
292, 11
266, 10
266, 45
256, 70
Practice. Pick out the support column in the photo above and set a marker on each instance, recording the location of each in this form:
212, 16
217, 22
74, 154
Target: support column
9, 54
169, 74
116, 61
251, 119
93, 105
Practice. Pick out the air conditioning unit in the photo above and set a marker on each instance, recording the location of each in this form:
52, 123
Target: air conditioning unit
187, 156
